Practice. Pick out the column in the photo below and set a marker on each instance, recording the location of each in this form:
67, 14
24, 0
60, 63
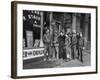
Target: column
73, 22
41, 39
51, 22
78, 23
86, 27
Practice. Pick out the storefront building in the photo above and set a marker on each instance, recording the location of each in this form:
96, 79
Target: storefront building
35, 24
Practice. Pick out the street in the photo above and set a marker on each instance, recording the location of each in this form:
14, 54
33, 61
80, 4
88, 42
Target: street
60, 63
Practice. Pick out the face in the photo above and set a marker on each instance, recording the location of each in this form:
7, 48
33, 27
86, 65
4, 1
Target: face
80, 34
77, 33
55, 34
66, 35
61, 33
47, 31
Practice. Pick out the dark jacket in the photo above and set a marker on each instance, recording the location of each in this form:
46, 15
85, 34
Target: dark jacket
61, 40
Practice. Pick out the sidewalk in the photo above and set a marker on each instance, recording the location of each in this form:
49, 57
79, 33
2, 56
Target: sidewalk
59, 63
77, 63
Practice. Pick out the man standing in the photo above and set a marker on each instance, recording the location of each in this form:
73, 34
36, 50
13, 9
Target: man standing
56, 45
77, 45
81, 45
68, 49
61, 40
47, 44
73, 45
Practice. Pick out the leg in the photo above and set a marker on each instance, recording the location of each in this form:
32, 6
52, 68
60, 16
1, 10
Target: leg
81, 55
45, 53
57, 49
49, 51
64, 53
72, 53
78, 52
75, 55
60, 52
54, 53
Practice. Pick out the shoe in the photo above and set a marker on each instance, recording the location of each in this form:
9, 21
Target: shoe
66, 60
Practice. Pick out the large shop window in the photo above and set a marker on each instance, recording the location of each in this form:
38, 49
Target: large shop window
31, 28
31, 37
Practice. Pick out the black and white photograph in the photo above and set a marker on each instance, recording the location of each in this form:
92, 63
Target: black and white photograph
56, 39
53, 39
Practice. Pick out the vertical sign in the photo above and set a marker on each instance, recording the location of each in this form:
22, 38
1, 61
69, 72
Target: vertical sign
29, 37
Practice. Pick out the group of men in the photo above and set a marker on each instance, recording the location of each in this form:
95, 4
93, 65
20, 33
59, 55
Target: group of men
65, 46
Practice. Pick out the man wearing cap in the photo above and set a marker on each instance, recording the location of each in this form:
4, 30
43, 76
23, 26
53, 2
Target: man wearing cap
47, 44
81, 46
61, 40
73, 45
